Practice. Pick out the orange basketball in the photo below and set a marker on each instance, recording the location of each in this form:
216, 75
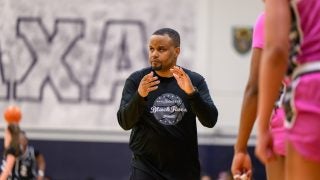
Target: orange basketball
12, 114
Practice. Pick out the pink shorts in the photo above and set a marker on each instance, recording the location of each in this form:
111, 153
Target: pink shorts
278, 131
304, 130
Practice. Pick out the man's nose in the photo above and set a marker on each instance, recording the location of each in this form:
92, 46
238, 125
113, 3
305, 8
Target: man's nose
154, 54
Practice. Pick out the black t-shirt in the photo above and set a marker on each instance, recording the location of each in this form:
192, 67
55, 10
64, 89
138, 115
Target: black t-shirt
164, 133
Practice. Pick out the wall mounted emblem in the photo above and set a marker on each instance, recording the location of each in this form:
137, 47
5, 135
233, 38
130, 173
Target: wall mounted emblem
242, 39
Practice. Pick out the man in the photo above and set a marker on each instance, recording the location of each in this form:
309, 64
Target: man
160, 104
30, 164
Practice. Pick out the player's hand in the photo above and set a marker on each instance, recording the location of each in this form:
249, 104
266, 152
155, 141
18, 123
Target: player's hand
264, 147
40, 178
183, 79
241, 166
241, 177
147, 84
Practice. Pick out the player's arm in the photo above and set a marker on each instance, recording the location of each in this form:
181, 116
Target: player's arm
274, 59
241, 163
41, 164
273, 67
10, 160
249, 103
203, 106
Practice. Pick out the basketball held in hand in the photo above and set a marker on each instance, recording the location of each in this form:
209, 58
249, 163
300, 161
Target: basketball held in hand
12, 114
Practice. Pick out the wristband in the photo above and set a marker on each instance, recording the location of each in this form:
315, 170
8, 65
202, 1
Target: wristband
41, 173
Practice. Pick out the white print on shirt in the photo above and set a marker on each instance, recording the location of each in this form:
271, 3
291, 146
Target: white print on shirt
168, 109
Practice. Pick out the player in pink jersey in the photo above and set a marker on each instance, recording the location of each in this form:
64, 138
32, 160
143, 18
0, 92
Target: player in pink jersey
241, 162
293, 25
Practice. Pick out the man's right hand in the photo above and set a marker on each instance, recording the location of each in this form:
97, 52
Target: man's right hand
241, 164
147, 84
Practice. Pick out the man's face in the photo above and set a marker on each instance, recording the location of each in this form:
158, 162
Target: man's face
162, 53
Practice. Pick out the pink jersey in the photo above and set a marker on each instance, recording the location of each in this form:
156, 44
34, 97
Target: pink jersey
308, 24
302, 102
257, 39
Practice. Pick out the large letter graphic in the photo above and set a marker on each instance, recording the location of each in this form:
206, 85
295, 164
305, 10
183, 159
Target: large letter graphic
122, 50
49, 65
4, 84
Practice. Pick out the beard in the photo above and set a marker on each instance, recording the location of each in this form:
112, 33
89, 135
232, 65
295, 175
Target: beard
156, 68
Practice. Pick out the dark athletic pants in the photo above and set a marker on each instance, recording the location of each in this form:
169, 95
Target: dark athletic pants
138, 174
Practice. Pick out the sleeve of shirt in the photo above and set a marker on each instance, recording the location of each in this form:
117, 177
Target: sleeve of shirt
12, 151
203, 106
258, 32
132, 105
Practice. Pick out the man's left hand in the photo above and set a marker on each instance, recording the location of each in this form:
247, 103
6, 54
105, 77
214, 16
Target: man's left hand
183, 80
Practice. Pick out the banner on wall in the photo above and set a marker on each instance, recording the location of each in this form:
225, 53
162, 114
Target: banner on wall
65, 62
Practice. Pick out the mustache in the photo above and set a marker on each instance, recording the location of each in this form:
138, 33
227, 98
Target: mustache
155, 61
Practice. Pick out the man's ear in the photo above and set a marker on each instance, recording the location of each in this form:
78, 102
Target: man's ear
177, 51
